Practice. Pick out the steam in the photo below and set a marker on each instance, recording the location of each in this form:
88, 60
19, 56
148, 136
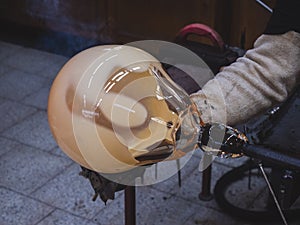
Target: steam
62, 27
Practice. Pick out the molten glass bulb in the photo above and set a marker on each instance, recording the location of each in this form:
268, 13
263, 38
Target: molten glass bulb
114, 108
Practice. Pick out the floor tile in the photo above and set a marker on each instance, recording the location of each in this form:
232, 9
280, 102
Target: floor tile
4, 69
171, 185
153, 208
57, 151
16, 84
192, 184
112, 213
33, 131
2, 100
8, 49
25, 169
28, 60
207, 216
13, 112
55, 64
7, 145
70, 192
38, 99
60, 217
17, 209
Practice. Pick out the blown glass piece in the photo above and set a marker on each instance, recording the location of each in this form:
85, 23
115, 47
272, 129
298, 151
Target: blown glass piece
114, 108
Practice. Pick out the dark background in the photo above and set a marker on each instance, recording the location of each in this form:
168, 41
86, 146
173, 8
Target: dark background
68, 26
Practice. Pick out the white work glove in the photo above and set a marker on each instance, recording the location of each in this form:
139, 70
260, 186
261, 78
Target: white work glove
264, 76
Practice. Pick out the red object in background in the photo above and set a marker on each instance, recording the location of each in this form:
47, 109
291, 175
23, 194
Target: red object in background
201, 30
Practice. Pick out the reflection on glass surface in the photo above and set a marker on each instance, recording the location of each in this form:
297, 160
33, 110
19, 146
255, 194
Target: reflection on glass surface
112, 108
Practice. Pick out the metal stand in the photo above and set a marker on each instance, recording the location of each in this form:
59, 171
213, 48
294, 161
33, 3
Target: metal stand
130, 205
205, 194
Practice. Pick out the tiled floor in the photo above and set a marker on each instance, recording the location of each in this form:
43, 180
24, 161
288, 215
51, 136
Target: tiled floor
39, 185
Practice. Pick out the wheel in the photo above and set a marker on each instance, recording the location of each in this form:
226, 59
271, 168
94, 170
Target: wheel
248, 197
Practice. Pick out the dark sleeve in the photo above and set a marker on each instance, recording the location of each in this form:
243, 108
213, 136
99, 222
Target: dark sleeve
285, 17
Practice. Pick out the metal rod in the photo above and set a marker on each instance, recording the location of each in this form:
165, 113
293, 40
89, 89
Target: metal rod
273, 194
156, 171
205, 194
264, 5
179, 172
130, 206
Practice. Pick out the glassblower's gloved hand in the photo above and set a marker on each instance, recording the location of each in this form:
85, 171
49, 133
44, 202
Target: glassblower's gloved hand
263, 77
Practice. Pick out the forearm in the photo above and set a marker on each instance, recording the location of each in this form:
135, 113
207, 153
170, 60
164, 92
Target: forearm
263, 77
